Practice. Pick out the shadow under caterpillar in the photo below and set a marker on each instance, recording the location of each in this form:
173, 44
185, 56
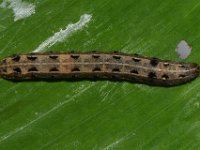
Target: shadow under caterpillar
97, 65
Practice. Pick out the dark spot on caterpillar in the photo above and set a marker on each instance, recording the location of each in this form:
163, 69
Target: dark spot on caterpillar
32, 58
32, 69
54, 57
95, 56
96, 69
75, 69
117, 57
165, 77
17, 70
4, 70
152, 75
165, 64
75, 57
116, 70
16, 58
154, 62
182, 66
134, 71
135, 59
53, 69
182, 76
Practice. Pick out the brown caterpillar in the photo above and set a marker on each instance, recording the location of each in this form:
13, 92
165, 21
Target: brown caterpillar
115, 65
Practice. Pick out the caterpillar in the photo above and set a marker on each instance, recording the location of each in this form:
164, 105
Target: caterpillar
97, 65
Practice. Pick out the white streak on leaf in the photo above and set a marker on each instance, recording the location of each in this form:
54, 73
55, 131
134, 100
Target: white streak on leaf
21, 9
63, 34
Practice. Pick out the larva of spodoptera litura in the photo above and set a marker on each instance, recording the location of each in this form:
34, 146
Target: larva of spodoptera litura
97, 65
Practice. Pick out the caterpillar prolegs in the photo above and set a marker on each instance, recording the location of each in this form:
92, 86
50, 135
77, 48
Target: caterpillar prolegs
97, 65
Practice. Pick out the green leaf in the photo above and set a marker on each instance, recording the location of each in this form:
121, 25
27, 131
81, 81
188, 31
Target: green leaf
103, 114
